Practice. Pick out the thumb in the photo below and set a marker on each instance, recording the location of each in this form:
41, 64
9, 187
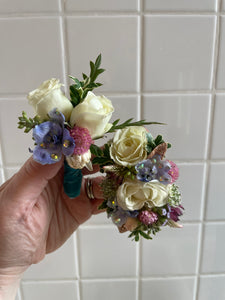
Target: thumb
31, 179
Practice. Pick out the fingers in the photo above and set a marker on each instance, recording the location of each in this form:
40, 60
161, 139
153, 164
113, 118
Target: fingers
31, 179
82, 207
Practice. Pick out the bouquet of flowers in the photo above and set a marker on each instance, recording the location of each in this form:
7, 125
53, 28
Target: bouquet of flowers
140, 195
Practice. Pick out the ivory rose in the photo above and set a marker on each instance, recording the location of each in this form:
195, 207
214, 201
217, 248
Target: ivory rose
134, 194
49, 96
129, 146
94, 114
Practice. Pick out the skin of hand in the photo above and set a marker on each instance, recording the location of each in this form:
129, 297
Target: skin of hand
37, 217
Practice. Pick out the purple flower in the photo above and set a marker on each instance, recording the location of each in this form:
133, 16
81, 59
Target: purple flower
52, 139
176, 212
119, 216
154, 169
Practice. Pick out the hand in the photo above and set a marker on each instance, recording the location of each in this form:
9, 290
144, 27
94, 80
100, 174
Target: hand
37, 217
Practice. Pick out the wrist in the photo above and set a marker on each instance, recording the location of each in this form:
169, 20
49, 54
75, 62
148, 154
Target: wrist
9, 284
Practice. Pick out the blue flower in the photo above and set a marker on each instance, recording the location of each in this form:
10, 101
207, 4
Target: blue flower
52, 139
154, 169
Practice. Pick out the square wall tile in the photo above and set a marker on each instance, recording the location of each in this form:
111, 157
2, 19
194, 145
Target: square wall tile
15, 143
180, 5
56, 265
106, 247
218, 141
220, 84
215, 209
101, 5
223, 5
115, 37
126, 107
190, 183
212, 287
30, 54
165, 254
27, 6
181, 113
50, 290
169, 288
213, 249
181, 59
110, 290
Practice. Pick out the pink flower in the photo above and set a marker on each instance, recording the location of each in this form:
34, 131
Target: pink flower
147, 217
173, 172
82, 139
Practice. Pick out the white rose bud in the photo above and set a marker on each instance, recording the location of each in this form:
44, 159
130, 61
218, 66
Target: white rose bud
49, 96
129, 146
134, 194
94, 114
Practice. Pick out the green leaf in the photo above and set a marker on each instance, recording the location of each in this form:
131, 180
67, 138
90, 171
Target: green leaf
98, 61
145, 235
103, 205
130, 123
26, 123
95, 150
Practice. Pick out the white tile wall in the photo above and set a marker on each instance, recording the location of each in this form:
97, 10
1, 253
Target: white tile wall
223, 5
34, 49
212, 287
120, 259
101, 5
170, 246
220, 70
218, 142
119, 52
28, 6
172, 288
57, 290
180, 5
213, 248
181, 113
109, 290
192, 193
215, 196
164, 61
176, 55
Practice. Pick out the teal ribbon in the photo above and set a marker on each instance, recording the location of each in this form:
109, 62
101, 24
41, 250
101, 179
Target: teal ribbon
72, 180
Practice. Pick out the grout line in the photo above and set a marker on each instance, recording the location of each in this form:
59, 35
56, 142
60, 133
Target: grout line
64, 47
77, 267
126, 279
208, 150
108, 13
12, 96
140, 103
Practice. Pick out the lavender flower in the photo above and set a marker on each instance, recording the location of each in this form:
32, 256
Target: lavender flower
154, 169
52, 139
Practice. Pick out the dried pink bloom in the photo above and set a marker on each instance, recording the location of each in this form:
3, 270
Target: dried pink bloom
82, 139
147, 217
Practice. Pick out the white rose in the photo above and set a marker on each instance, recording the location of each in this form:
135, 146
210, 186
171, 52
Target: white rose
129, 146
94, 114
134, 194
49, 96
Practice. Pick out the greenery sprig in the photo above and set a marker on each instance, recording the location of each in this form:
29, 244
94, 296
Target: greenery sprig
79, 90
28, 123
153, 143
145, 231
116, 126
102, 156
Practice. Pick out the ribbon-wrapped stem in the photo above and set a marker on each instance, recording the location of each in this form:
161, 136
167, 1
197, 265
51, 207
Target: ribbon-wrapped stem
72, 181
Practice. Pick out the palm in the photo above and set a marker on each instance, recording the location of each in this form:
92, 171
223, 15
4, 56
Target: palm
42, 218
